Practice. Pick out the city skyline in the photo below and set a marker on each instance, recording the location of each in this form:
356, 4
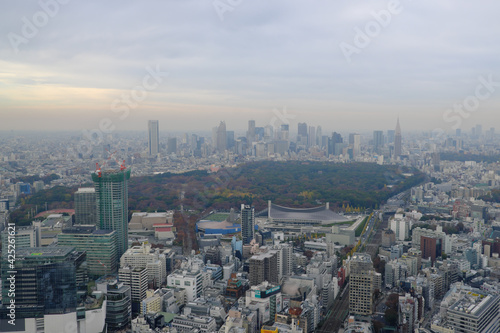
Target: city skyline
308, 59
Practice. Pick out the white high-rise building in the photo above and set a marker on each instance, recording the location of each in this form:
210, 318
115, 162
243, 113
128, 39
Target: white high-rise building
401, 227
154, 137
144, 257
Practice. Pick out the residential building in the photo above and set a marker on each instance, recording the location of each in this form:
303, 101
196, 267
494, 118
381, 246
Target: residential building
264, 267
137, 279
363, 282
247, 223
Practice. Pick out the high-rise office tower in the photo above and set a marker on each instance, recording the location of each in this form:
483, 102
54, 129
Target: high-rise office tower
221, 141
118, 307
172, 146
355, 142
47, 281
479, 130
391, 136
247, 223
302, 129
363, 281
285, 132
302, 134
154, 137
319, 134
100, 246
397, 141
111, 188
85, 208
251, 133
312, 136
378, 140
334, 144
229, 139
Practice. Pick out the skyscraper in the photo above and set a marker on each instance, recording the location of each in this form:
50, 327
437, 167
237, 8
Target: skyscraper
47, 280
302, 129
154, 137
378, 140
221, 137
247, 223
284, 132
172, 146
355, 142
111, 187
229, 139
334, 144
363, 282
85, 208
302, 134
251, 132
319, 134
397, 141
390, 136
312, 136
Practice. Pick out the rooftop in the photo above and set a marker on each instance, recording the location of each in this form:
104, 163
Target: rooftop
86, 190
474, 304
321, 213
45, 252
364, 257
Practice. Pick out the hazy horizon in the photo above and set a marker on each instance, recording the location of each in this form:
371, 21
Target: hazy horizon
345, 66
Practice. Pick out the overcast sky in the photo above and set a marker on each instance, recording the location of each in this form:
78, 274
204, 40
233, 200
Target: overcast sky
236, 60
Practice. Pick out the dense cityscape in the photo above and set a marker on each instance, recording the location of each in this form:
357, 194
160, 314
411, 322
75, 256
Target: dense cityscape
424, 259
237, 166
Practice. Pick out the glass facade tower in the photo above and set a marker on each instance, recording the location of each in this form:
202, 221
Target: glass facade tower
111, 187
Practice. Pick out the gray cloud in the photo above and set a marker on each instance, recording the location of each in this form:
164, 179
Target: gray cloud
262, 55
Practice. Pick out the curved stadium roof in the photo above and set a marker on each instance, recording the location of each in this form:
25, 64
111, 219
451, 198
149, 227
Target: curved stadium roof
319, 214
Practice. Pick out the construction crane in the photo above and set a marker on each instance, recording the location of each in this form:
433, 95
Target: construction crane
111, 155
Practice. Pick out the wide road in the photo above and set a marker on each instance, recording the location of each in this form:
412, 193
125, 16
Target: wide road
337, 314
